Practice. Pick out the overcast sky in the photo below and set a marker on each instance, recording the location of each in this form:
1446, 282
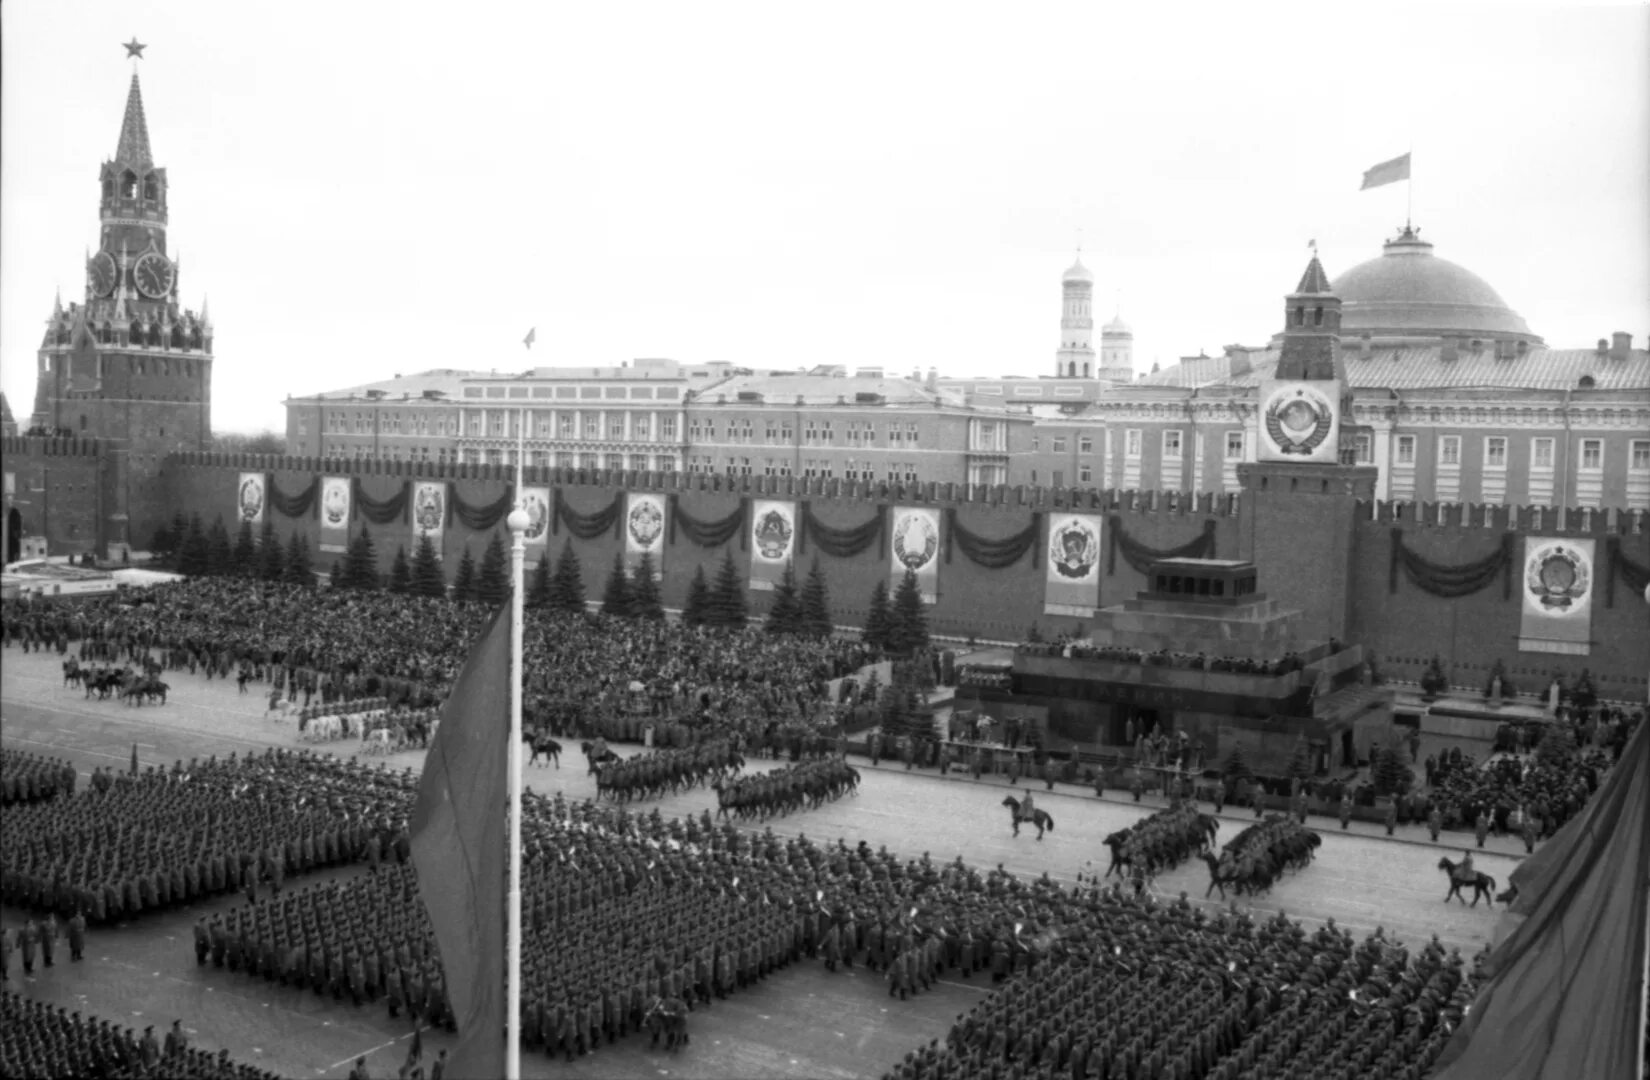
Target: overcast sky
371, 188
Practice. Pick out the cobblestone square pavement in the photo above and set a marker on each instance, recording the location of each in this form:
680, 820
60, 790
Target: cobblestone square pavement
802, 1022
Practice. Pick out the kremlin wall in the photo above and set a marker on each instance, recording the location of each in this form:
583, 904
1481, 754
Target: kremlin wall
1344, 579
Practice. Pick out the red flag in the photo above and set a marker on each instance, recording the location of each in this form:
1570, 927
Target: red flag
459, 839
1387, 172
1565, 992
134, 759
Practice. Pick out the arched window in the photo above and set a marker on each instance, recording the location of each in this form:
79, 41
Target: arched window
1317, 315
82, 421
108, 187
128, 184
135, 332
1300, 315
154, 334
1071, 369
106, 334
150, 192
195, 337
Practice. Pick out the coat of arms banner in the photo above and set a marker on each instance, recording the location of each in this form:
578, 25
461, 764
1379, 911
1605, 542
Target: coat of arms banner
335, 513
429, 512
1557, 583
536, 501
644, 531
773, 541
249, 498
1300, 421
915, 543
1072, 584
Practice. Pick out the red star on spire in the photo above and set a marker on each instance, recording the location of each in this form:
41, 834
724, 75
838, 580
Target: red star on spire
133, 49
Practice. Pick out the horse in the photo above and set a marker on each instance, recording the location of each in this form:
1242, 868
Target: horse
540, 743
606, 757
1482, 884
1217, 880
1040, 818
71, 672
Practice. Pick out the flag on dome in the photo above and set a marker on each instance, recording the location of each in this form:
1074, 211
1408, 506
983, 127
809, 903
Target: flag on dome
1387, 172
532, 333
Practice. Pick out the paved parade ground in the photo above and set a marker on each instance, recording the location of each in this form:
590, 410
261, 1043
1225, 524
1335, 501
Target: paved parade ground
802, 1022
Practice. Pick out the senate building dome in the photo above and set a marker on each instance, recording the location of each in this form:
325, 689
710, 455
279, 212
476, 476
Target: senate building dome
1410, 296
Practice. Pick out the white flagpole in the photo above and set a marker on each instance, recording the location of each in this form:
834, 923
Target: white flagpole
512, 979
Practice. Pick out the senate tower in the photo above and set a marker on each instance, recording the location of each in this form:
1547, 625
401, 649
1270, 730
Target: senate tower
128, 366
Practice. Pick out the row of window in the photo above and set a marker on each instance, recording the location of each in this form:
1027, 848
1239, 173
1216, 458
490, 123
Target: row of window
821, 468
1543, 451
1173, 444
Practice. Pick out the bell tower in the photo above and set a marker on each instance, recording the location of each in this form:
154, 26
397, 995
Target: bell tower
1075, 357
129, 364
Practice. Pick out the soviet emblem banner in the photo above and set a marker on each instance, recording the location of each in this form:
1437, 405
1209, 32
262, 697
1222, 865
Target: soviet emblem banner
249, 498
1557, 584
644, 531
536, 501
335, 506
429, 512
1300, 421
916, 547
773, 541
1073, 583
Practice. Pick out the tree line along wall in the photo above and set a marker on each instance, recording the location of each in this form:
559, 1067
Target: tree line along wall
971, 601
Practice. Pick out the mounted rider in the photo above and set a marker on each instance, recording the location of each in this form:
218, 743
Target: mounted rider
1028, 808
1465, 872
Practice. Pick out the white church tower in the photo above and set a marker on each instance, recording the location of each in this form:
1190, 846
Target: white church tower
1075, 358
1117, 352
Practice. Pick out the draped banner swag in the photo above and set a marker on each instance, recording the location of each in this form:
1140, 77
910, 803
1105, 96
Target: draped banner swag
249, 497
773, 532
294, 506
479, 518
380, 511
843, 543
1141, 557
536, 501
336, 512
1460, 580
429, 512
644, 531
1616, 564
993, 554
585, 526
706, 534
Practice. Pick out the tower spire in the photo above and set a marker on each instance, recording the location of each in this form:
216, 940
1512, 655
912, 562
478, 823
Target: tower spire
133, 148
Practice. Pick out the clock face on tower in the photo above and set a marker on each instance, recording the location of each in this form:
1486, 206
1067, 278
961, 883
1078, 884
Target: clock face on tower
153, 275
103, 272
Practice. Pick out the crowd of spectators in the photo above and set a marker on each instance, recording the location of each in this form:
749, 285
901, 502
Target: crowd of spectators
1240, 665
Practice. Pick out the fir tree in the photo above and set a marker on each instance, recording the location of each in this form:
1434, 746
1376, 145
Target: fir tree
271, 559
162, 544
878, 617
698, 599
908, 622
361, 563
616, 596
1300, 761
244, 558
816, 604
400, 572
645, 602
464, 582
298, 569
192, 552
337, 575
1392, 774
567, 584
427, 576
538, 593
727, 595
179, 536
1557, 745
493, 583
1237, 765
785, 613
220, 553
